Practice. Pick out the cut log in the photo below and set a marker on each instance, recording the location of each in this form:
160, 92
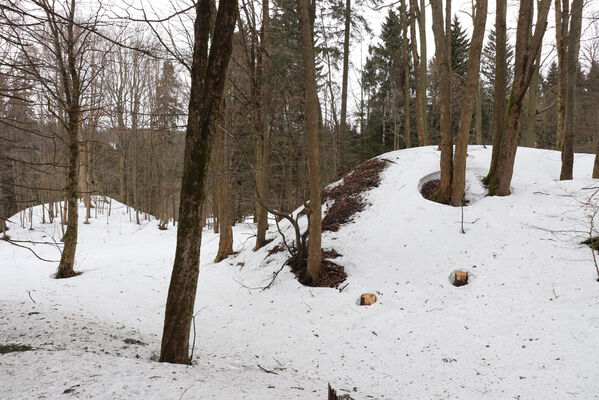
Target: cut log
367, 299
461, 278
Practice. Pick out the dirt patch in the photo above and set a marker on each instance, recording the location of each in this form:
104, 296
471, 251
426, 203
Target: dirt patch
135, 341
430, 188
346, 197
13, 348
276, 249
332, 274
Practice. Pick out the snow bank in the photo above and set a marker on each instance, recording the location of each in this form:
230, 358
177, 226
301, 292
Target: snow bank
525, 327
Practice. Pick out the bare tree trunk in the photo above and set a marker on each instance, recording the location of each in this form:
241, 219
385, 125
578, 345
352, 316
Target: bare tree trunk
572, 58
478, 127
443, 54
206, 95
225, 220
67, 259
468, 102
527, 48
420, 90
530, 137
562, 12
406, 77
8, 201
71, 83
313, 270
343, 131
263, 149
500, 85
423, 72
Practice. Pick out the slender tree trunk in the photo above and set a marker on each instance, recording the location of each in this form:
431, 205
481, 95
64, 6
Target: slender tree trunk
572, 59
443, 55
8, 201
406, 77
562, 12
527, 48
67, 259
420, 90
344, 81
83, 173
225, 240
423, 72
499, 106
263, 150
206, 95
313, 270
478, 127
530, 136
458, 183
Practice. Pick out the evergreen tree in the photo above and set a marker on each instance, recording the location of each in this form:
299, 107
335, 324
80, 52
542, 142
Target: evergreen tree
460, 48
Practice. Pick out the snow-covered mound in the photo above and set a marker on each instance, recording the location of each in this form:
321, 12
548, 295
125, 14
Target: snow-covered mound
526, 326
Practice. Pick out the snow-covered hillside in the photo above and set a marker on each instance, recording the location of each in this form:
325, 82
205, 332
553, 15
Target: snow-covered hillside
525, 327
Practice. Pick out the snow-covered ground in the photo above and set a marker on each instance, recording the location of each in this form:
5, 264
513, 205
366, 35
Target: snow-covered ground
526, 327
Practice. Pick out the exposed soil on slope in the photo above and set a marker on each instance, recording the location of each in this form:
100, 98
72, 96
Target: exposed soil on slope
346, 197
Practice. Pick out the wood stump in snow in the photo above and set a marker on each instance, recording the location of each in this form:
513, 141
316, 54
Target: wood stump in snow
461, 278
367, 299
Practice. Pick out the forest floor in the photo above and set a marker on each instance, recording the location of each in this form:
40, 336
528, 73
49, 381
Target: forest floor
525, 327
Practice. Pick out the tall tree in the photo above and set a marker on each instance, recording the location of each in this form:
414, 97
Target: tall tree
468, 101
442, 33
572, 50
527, 48
313, 270
208, 75
420, 74
406, 75
344, 82
264, 79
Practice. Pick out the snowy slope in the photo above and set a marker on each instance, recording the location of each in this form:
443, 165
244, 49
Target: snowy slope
527, 326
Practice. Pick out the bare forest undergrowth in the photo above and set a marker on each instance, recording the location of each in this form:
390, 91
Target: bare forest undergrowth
429, 189
346, 198
344, 201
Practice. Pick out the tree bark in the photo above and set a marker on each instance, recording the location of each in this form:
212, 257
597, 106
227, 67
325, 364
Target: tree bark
313, 270
443, 55
71, 84
423, 72
344, 82
225, 219
500, 84
458, 183
420, 89
530, 137
208, 75
478, 128
8, 201
406, 77
572, 59
562, 11
527, 48
263, 148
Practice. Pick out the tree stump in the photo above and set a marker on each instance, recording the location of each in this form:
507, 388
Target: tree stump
367, 299
461, 278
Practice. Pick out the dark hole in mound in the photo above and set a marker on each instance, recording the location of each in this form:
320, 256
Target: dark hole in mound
430, 188
332, 274
13, 348
346, 197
